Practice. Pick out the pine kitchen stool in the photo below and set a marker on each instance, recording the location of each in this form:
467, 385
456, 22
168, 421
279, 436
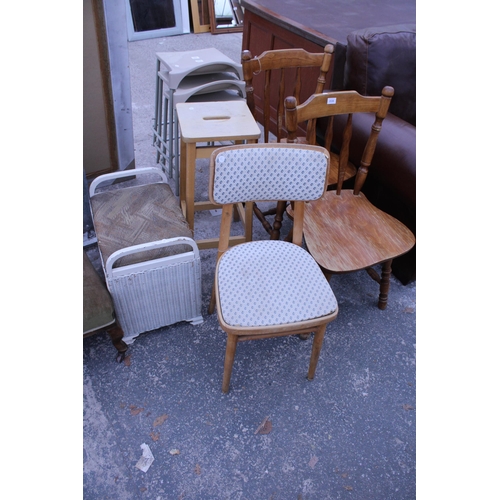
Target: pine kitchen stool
210, 122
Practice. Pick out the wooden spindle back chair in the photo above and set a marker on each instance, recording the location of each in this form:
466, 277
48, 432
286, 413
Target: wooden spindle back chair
343, 231
278, 74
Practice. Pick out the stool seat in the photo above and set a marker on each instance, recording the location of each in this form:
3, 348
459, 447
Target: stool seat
197, 81
152, 210
183, 63
182, 94
216, 121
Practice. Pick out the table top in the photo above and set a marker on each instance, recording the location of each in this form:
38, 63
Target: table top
333, 20
219, 121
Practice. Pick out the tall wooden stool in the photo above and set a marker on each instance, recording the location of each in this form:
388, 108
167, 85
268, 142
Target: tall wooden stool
207, 122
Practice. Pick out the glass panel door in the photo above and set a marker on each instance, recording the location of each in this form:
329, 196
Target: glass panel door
153, 18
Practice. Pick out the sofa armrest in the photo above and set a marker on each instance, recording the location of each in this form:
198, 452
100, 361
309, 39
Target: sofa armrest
394, 161
377, 57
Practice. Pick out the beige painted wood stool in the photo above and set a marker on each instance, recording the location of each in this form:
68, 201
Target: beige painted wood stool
210, 122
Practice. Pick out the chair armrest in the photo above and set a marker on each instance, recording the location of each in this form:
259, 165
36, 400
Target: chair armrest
125, 173
142, 266
395, 161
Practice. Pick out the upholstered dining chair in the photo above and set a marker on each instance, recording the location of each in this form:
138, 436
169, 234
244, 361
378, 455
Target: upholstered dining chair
249, 276
343, 231
278, 74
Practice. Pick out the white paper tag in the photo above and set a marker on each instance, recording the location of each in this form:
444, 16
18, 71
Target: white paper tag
331, 100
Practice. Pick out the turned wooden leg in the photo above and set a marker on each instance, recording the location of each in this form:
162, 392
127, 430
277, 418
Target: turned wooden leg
278, 219
232, 340
384, 284
327, 274
211, 307
116, 335
316, 349
249, 221
260, 216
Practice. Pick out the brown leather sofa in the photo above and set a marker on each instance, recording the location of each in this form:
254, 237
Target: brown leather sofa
373, 58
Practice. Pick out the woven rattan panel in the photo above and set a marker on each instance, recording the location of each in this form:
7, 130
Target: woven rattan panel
130, 216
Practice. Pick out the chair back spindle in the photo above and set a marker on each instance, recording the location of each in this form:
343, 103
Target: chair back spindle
328, 105
283, 73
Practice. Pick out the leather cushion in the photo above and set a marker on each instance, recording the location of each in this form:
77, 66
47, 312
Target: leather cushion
394, 162
377, 57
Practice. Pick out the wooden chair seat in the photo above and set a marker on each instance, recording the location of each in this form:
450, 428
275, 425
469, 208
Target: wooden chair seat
344, 234
333, 175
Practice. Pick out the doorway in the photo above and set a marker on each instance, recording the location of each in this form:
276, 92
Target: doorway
156, 18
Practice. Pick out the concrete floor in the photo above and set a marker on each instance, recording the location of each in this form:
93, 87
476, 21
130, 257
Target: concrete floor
350, 433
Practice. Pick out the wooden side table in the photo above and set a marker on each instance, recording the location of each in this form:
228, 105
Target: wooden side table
207, 122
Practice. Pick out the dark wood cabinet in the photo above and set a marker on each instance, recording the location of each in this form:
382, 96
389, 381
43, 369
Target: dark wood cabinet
261, 34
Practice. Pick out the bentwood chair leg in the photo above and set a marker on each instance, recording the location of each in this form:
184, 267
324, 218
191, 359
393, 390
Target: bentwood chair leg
384, 284
316, 349
232, 340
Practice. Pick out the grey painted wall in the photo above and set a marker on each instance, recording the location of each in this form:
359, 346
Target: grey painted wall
116, 28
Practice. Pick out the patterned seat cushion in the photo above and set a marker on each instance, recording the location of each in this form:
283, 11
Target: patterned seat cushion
134, 215
265, 283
